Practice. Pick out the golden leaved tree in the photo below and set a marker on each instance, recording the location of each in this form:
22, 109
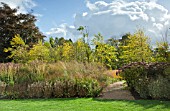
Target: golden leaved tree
137, 48
18, 50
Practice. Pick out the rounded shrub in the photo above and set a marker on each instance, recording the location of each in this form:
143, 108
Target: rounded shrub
150, 80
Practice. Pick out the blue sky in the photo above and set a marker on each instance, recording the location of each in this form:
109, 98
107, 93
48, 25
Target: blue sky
112, 18
56, 12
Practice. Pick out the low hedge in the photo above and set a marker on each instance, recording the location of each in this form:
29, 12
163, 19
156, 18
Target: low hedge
150, 80
61, 88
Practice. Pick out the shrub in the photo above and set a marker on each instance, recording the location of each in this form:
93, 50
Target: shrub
2, 88
79, 87
88, 88
149, 80
45, 80
159, 88
7, 72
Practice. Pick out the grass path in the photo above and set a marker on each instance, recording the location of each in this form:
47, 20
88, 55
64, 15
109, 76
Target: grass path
83, 104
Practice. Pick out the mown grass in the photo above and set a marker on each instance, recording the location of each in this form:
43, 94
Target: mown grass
83, 104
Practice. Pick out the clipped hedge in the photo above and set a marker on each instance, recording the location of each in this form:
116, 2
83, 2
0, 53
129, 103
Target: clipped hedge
149, 80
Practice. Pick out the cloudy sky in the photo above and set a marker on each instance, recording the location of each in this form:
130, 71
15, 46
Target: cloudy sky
112, 18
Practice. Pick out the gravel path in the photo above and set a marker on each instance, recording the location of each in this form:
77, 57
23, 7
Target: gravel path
117, 91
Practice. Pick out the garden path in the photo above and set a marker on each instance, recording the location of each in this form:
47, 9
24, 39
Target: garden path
118, 91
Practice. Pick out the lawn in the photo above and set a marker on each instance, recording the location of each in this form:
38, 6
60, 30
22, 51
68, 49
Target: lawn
83, 104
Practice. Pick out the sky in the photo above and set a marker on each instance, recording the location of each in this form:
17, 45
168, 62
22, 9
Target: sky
112, 18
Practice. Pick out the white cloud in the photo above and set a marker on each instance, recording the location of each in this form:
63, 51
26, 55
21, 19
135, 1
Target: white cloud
61, 30
64, 30
84, 14
158, 26
25, 5
119, 17
91, 6
153, 0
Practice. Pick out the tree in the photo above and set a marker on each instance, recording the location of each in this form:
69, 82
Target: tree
119, 43
52, 42
39, 52
67, 51
22, 53
104, 53
136, 49
60, 49
19, 52
162, 53
81, 50
84, 31
11, 24
113, 42
97, 39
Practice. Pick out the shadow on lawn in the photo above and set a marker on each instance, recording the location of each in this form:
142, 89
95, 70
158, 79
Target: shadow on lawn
144, 103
